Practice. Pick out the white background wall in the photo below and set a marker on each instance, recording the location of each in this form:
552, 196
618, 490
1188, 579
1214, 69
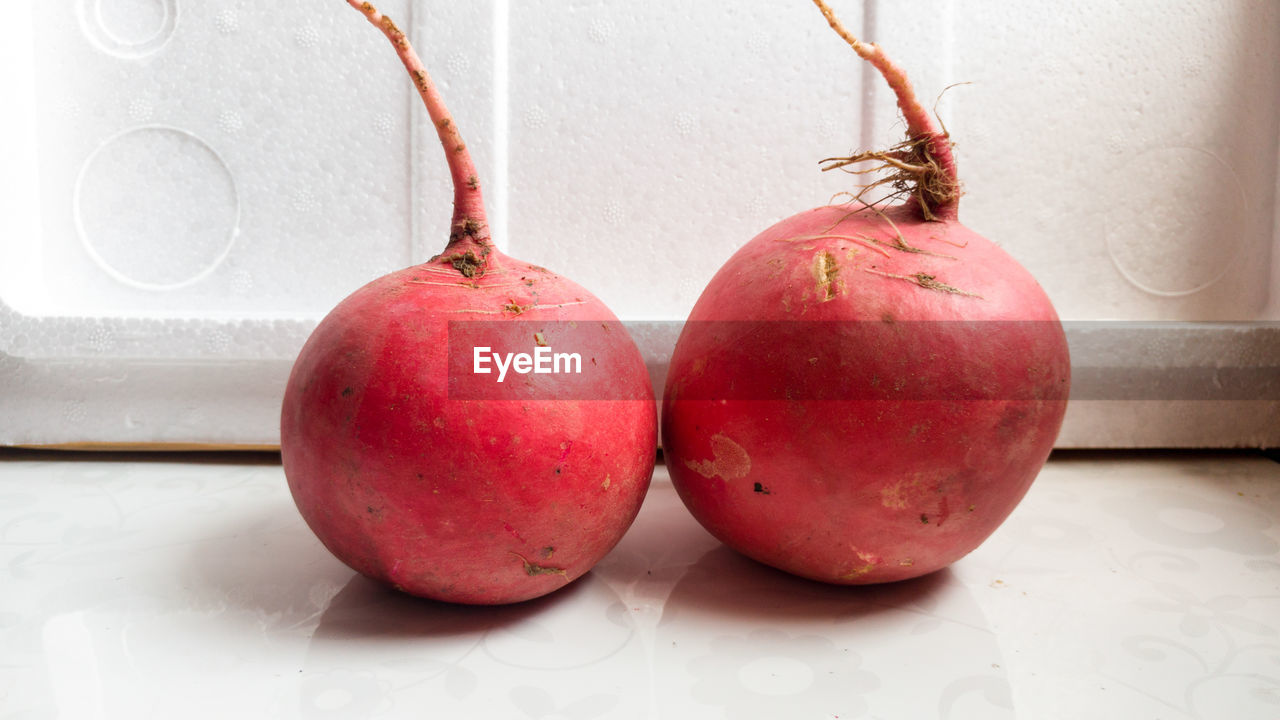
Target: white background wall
185, 188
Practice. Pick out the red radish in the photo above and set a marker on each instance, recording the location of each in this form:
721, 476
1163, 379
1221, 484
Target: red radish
863, 395
479, 499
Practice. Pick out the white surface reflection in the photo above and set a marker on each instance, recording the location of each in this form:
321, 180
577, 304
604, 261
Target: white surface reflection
72, 664
189, 587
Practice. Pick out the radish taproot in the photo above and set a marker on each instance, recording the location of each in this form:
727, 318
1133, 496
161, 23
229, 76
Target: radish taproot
863, 393
416, 469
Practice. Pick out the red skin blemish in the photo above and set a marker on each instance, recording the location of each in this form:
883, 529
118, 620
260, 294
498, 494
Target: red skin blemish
944, 511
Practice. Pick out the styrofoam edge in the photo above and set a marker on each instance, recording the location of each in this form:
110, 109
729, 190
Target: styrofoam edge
238, 403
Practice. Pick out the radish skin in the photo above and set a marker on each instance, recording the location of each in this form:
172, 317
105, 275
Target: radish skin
863, 394
468, 498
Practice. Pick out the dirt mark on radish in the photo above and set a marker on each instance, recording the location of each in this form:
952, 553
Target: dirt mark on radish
926, 281
866, 563
825, 271
730, 461
533, 569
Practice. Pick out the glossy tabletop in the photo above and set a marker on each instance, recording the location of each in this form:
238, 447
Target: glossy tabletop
1124, 586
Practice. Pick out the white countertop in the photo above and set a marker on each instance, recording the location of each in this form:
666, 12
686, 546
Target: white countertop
1125, 586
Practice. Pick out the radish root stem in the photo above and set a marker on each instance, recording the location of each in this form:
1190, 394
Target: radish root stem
469, 230
923, 165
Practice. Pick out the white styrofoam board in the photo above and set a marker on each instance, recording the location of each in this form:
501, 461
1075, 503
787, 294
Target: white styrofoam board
632, 148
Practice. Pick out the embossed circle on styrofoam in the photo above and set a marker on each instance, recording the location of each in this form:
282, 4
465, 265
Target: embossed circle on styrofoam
1181, 223
156, 208
128, 28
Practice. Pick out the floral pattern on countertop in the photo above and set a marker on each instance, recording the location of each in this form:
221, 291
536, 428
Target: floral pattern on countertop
1124, 586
